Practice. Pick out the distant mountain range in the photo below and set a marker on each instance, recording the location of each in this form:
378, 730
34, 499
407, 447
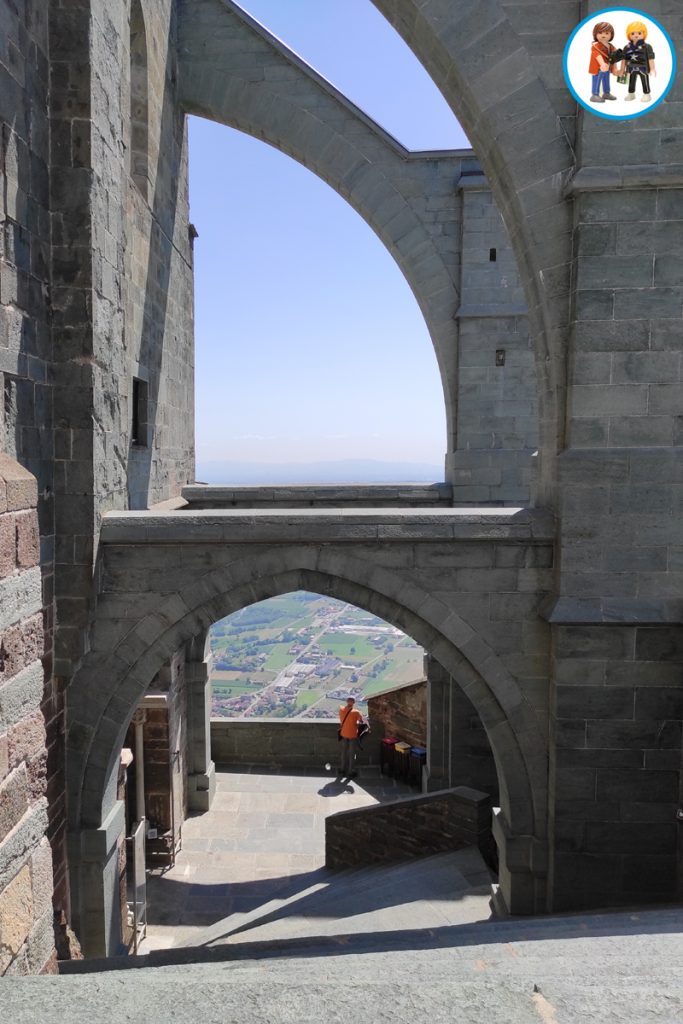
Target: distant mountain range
345, 471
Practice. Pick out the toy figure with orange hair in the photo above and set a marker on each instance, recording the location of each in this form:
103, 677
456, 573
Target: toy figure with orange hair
638, 61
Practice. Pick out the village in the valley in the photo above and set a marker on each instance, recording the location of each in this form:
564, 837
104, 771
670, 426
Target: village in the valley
300, 654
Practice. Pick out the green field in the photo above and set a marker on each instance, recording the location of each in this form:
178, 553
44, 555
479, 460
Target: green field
305, 698
251, 641
278, 657
341, 645
236, 690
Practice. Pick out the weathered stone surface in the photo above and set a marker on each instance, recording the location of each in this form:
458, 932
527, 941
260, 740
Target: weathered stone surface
416, 826
16, 916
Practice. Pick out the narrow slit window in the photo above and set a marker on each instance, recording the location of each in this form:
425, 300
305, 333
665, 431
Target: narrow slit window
493, 255
138, 434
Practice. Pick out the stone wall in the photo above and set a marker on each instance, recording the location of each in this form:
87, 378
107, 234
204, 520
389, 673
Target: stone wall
122, 286
26, 915
415, 827
617, 718
401, 713
282, 743
497, 421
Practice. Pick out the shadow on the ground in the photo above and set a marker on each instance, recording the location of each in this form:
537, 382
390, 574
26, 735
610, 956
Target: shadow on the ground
170, 901
657, 922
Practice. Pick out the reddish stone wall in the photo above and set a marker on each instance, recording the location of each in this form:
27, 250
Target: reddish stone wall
416, 827
26, 885
401, 713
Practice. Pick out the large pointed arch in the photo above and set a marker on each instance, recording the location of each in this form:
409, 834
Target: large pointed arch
234, 72
129, 648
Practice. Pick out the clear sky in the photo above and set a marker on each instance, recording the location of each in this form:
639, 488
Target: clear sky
310, 345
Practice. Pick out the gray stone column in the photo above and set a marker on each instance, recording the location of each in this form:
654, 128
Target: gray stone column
202, 771
94, 857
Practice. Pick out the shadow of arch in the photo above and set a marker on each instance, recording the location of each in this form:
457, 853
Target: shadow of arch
234, 72
98, 721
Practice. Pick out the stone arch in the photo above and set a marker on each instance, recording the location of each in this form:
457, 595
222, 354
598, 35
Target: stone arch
139, 99
234, 72
129, 656
508, 113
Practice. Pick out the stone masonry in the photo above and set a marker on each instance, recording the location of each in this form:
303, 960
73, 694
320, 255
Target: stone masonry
26, 885
549, 271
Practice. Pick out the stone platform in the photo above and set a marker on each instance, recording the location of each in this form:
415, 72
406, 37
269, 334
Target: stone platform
263, 840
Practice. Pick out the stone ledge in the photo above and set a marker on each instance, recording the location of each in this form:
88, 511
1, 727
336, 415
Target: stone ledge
612, 611
18, 487
312, 526
606, 179
300, 495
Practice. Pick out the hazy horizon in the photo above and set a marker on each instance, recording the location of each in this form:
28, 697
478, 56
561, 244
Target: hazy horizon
310, 344
341, 471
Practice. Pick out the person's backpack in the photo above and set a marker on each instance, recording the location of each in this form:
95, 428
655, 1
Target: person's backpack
363, 729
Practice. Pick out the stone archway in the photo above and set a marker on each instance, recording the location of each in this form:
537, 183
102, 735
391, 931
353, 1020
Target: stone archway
232, 71
129, 653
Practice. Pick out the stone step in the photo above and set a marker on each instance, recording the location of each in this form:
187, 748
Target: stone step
377, 898
617, 968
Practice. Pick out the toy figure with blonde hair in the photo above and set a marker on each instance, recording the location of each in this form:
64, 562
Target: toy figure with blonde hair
638, 61
599, 67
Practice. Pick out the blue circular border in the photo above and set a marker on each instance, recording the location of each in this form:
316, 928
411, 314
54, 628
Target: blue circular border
591, 108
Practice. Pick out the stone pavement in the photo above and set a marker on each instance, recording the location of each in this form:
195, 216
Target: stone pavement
262, 840
590, 969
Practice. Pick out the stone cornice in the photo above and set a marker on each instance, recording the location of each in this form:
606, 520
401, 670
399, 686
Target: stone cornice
607, 179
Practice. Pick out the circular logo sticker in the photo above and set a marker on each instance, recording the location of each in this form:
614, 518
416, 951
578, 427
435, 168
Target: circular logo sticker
619, 63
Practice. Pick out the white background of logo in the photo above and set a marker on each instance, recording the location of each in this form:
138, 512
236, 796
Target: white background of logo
578, 59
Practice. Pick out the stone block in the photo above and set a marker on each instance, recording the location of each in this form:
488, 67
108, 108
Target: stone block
639, 785
14, 800
7, 544
592, 702
16, 916
659, 703
27, 540
41, 879
26, 739
653, 875
659, 644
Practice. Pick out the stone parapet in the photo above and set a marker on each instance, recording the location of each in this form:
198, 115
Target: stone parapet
282, 743
318, 525
319, 496
417, 826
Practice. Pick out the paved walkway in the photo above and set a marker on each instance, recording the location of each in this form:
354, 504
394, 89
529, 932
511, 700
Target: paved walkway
262, 840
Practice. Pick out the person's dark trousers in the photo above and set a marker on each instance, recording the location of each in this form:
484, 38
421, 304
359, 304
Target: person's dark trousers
348, 756
645, 79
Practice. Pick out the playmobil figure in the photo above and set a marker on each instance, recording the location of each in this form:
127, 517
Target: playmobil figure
638, 60
599, 67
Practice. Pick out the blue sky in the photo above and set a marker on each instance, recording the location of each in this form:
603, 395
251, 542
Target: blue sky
310, 345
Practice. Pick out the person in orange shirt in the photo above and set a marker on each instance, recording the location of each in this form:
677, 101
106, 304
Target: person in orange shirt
599, 67
349, 718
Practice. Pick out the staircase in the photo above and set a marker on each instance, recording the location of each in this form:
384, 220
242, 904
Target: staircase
617, 968
432, 892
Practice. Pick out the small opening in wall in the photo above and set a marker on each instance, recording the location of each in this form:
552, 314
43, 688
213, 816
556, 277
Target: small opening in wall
493, 255
138, 434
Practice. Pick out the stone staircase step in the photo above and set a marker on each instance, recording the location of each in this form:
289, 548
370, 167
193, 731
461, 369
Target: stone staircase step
621, 968
413, 894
